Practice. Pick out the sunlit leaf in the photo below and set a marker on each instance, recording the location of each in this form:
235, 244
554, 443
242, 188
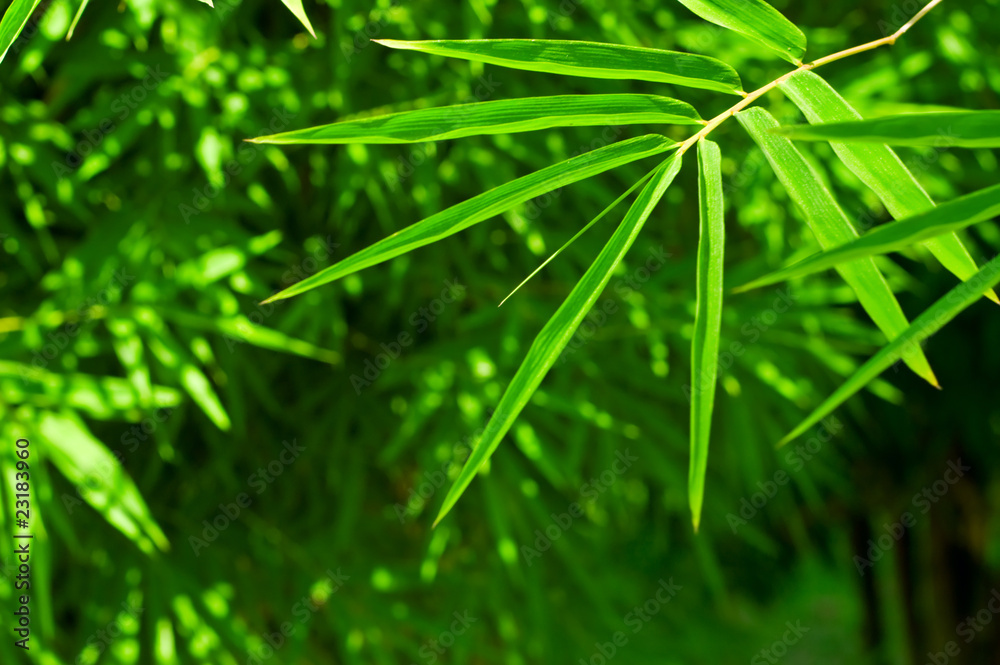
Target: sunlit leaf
832, 228
878, 167
588, 59
707, 319
300, 13
498, 117
757, 20
13, 22
959, 129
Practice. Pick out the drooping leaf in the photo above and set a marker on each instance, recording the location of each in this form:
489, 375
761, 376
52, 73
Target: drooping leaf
486, 205
832, 228
707, 318
878, 167
300, 13
13, 22
946, 218
588, 59
498, 117
959, 129
560, 329
757, 20
923, 327
100, 479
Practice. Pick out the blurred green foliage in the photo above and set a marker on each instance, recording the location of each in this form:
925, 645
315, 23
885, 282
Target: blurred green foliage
139, 232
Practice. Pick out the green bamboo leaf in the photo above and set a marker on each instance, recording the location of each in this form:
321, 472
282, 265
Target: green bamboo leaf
707, 318
560, 328
832, 228
300, 13
499, 117
13, 22
757, 20
486, 205
925, 325
90, 466
587, 59
878, 167
946, 218
79, 15
956, 129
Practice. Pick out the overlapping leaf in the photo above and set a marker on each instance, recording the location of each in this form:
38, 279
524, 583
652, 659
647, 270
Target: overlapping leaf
878, 167
497, 117
13, 21
486, 205
958, 129
757, 20
588, 59
560, 328
832, 228
707, 319
925, 325
946, 218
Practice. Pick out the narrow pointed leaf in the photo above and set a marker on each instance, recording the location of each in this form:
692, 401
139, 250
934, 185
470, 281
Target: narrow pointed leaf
560, 329
300, 13
587, 59
757, 20
832, 228
707, 318
878, 167
486, 205
957, 129
925, 325
79, 15
946, 218
100, 479
13, 22
499, 117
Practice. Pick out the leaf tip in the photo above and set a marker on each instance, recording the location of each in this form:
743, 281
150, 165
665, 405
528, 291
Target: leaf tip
992, 295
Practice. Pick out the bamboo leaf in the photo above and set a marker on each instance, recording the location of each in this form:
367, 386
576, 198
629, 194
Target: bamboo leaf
498, 117
99, 477
587, 59
300, 13
757, 20
956, 129
832, 228
925, 325
13, 22
946, 218
707, 318
878, 167
560, 328
486, 205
